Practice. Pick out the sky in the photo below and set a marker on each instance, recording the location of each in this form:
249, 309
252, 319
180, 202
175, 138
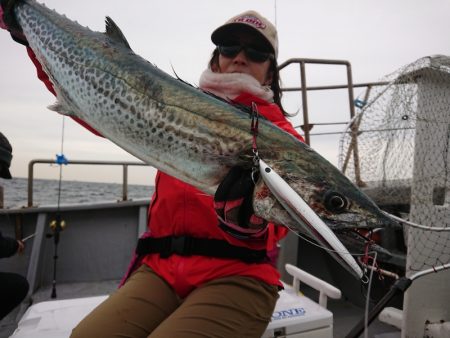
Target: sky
376, 36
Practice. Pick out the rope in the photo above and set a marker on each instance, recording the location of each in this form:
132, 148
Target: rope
415, 225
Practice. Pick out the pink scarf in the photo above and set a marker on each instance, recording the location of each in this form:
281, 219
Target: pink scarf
230, 85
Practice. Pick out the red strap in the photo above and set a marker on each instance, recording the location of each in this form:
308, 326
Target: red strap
254, 126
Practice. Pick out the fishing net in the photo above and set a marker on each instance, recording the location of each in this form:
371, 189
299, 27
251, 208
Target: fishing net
397, 150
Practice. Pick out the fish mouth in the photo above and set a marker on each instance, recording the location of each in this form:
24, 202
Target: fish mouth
362, 244
357, 221
370, 236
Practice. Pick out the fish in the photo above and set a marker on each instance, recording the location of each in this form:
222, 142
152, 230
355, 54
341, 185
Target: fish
181, 130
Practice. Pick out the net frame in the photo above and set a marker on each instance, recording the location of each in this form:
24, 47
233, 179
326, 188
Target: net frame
397, 149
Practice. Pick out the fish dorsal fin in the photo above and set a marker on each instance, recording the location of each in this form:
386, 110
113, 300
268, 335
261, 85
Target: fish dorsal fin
114, 32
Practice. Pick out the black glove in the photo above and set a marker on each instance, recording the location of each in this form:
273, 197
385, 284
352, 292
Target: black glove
8, 246
9, 22
233, 202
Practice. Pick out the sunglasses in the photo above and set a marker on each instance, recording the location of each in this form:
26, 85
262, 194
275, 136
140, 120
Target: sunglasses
251, 53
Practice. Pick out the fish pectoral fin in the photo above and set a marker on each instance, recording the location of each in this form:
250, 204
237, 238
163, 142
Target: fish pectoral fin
114, 32
61, 108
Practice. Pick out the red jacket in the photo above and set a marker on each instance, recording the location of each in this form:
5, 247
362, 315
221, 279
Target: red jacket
179, 209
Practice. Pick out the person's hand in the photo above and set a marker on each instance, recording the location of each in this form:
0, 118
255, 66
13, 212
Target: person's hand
233, 202
21, 246
10, 24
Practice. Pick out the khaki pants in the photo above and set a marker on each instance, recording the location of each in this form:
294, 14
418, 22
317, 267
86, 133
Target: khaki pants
146, 306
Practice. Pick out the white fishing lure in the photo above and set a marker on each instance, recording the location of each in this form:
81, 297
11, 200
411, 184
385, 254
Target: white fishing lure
300, 211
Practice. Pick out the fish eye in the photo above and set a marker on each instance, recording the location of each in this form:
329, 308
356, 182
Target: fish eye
335, 202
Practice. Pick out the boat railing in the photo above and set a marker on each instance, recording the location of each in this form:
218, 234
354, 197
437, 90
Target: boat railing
124, 164
307, 126
304, 89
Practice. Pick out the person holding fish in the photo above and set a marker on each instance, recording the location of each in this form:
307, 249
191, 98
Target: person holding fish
13, 287
202, 269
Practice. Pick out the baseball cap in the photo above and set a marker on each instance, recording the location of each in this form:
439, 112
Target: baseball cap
248, 20
5, 157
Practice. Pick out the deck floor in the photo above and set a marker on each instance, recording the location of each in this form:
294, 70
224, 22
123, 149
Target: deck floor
346, 314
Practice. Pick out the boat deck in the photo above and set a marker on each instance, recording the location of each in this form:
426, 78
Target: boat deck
345, 314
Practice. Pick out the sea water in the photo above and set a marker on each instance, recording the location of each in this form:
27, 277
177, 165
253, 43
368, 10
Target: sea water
45, 192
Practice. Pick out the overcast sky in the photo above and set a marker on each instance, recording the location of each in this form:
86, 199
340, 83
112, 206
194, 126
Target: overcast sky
376, 36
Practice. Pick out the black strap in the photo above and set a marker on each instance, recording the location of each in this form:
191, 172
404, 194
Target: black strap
186, 246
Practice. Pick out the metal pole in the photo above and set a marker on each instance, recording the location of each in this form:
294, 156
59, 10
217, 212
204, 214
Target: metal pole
125, 182
354, 146
345, 86
304, 102
351, 99
399, 287
30, 183
1, 197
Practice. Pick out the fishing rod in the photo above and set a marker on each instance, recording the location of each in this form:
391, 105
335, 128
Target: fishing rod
398, 288
28, 237
58, 224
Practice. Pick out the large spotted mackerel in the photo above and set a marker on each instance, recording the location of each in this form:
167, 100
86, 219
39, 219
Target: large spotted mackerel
183, 131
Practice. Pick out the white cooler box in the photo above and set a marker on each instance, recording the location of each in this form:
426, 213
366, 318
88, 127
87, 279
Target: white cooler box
298, 316
295, 315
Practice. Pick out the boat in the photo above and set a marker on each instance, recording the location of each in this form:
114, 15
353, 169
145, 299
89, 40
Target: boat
64, 289
70, 271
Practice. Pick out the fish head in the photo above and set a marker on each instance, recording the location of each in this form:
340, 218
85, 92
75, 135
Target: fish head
331, 195
346, 207
344, 211
328, 192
